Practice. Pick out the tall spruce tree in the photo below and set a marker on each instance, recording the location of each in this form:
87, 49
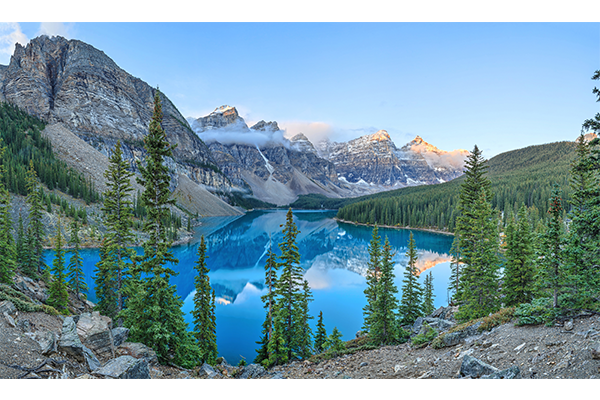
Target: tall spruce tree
268, 300
118, 218
154, 316
292, 297
551, 258
428, 295
321, 336
20, 242
35, 263
411, 302
205, 323
58, 294
76, 276
8, 256
373, 272
477, 232
454, 283
519, 268
105, 282
384, 328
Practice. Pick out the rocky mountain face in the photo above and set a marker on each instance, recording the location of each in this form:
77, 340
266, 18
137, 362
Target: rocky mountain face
261, 162
71, 83
374, 161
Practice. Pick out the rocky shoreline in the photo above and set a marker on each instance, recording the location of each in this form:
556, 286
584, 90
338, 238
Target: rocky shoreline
395, 227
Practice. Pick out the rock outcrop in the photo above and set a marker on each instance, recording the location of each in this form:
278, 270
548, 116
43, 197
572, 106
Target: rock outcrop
71, 83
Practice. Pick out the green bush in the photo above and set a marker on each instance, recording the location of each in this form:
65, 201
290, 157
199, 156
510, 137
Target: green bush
539, 311
422, 339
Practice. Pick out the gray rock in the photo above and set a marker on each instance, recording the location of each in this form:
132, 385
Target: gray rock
91, 360
206, 371
441, 325
510, 373
125, 367
138, 350
277, 375
7, 307
416, 328
94, 330
24, 325
568, 325
595, 350
454, 338
438, 313
10, 320
474, 368
363, 364
252, 371
46, 340
69, 341
120, 335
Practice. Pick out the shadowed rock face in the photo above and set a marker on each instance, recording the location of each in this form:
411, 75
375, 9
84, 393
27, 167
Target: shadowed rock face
71, 82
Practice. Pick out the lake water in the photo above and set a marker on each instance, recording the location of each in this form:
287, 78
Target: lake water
333, 254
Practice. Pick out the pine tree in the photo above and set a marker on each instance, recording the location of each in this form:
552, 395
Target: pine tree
334, 342
428, 306
293, 296
118, 217
104, 279
304, 331
321, 336
411, 303
477, 232
58, 294
384, 326
373, 271
75, 274
20, 243
35, 263
8, 256
269, 304
551, 258
519, 269
154, 316
205, 324
454, 283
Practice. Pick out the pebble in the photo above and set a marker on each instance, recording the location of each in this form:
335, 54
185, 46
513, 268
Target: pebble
363, 364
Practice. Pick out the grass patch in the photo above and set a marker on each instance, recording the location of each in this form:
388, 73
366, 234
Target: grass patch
22, 302
423, 339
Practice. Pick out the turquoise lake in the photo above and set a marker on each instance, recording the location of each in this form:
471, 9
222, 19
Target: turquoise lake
333, 254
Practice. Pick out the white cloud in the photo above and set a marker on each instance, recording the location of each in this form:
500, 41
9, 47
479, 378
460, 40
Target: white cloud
56, 29
10, 34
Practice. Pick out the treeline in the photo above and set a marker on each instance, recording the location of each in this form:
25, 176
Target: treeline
21, 135
524, 176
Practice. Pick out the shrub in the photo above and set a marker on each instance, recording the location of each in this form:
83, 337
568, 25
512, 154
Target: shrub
422, 339
539, 311
501, 317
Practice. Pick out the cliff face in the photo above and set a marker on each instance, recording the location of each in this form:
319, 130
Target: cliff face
71, 82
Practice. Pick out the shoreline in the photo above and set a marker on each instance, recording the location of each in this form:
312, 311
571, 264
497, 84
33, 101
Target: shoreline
396, 227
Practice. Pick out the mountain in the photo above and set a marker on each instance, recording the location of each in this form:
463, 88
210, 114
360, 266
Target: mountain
260, 162
375, 161
74, 85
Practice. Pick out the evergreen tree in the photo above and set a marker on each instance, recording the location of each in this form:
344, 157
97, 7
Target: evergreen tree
477, 232
154, 316
321, 336
454, 284
75, 274
519, 269
292, 297
20, 243
8, 256
373, 271
551, 258
205, 324
334, 343
118, 217
104, 279
269, 304
428, 295
384, 326
304, 330
35, 263
58, 294
411, 303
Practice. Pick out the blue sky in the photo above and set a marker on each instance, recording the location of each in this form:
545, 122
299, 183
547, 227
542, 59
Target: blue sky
501, 86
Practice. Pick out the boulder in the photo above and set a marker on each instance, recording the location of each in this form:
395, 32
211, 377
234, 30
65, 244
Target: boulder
120, 335
46, 340
568, 325
439, 324
454, 338
438, 313
416, 328
207, 372
69, 341
91, 360
510, 373
252, 371
94, 330
10, 320
474, 368
125, 367
7, 307
138, 350
595, 350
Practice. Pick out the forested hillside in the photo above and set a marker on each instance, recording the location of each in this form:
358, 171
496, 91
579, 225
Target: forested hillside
519, 176
21, 134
